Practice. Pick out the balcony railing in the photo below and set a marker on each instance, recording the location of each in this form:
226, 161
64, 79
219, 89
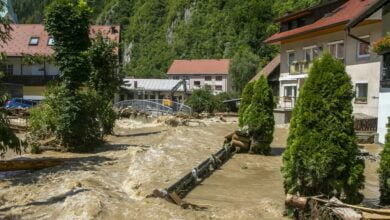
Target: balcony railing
285, 102
30, 80
300, 67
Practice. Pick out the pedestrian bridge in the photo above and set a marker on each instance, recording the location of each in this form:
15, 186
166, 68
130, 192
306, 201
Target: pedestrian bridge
154, 106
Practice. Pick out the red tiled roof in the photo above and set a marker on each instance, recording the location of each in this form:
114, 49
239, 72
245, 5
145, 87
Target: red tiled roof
21, 34
179, 67
339, 16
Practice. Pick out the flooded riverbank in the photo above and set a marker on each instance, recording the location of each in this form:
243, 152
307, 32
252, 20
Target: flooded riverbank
112, 183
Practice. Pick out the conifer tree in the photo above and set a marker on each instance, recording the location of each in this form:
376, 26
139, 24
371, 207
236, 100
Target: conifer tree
246, 99
321, 155
259, 117
384, 171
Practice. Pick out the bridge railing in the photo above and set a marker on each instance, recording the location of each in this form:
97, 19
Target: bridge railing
155, 107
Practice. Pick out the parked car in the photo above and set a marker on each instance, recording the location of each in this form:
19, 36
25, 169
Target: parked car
19, 103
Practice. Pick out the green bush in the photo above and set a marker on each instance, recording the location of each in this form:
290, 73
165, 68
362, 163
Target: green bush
220, 106
322, 154
202, 100
259, 117
246, 99
384, 171
72, 118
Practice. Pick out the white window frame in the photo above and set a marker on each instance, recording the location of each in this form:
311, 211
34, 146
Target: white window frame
337, 43
50, 41
311, 48
288, 52
359, 56
30, 41
357, 91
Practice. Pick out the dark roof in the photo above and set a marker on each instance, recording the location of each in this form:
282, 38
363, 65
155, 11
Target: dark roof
367, 13
339, 16
267, 70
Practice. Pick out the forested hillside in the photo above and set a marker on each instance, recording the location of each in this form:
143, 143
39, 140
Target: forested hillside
158, 31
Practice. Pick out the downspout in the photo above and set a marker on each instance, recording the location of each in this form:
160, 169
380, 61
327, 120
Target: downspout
355, 37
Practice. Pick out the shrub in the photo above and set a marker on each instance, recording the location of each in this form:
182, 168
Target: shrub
259, 117
382, 45
202, 100
220, 106
246, 99
71, 118
321, 155
384, 171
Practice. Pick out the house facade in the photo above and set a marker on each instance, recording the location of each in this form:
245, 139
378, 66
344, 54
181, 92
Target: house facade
382, 7
307, 34
29, 56
201, 73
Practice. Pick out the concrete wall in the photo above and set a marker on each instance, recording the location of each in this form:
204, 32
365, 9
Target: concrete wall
360, 69
201, 78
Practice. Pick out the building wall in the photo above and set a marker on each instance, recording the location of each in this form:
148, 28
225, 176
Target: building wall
226, 87
360, 70
384, 96
31, 70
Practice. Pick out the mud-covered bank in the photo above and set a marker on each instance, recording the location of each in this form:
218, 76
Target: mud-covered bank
112, 183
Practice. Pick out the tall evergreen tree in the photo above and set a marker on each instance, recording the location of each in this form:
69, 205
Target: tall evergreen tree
384, 171
246, 99
321, 155
259, 117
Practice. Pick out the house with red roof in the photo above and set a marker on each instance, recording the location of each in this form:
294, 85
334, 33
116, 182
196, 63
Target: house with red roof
201, 73
29, 56
306, 34
381, 6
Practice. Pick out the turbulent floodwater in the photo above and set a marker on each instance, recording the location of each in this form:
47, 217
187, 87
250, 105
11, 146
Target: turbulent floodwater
112, 183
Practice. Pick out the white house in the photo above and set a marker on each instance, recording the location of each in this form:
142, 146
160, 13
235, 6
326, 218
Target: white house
31, 41
200, 73
306, 34
383, 7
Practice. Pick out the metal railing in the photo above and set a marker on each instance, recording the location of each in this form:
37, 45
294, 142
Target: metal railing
154, 107
286, 102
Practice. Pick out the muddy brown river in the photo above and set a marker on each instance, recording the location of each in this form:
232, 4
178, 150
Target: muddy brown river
113, 182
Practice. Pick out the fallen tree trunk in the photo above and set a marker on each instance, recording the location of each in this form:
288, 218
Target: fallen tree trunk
33, 164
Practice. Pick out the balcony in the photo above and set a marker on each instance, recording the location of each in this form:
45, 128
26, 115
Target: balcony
285, 102
30, 80
300, 67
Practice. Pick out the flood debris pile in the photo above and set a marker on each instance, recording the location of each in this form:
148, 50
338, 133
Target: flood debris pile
317, 207
240, 140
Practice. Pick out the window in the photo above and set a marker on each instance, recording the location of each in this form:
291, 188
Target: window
361, 92
290, 93
386, 67
336, 49
218, 88
197, 83
363, 48
176, 77
50, 42
207, 78
218, 78
311, 53
34, 41
8, 69
290, 61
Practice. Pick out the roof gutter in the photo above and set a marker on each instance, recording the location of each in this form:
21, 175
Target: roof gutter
348, 30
